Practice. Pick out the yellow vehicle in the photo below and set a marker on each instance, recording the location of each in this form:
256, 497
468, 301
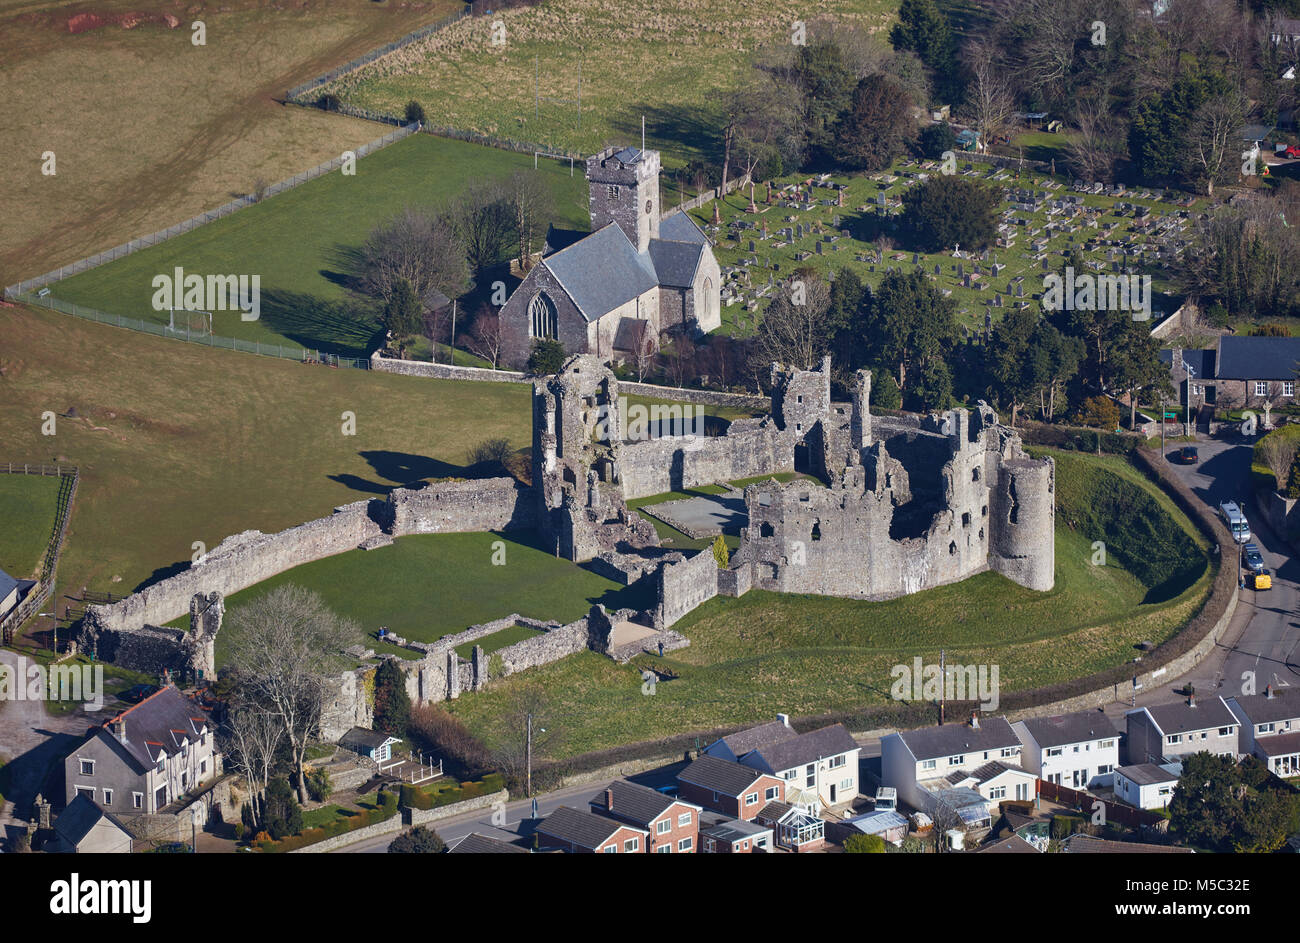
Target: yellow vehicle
1263, 580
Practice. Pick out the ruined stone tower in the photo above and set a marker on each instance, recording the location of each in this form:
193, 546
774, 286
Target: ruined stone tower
624, 186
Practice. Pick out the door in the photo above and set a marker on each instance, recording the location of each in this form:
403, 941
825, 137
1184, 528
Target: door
832, 793
1080, 778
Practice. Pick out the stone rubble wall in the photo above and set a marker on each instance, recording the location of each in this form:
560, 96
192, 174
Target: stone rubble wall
685, 585
749, 449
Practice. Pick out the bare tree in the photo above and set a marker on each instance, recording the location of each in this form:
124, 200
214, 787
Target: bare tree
485, 338
254, 736
1100, 140
417, 246
1279, 454
679, 354
644, 348
484, 219
285, 654
991, 101
526, 703
1215, 130
792, 329
530, 203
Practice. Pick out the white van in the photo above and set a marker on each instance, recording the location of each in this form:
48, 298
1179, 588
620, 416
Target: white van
1236, 521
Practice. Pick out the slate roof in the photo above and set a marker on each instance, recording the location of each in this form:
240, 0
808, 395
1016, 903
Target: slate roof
675, 262
1279, 744
774, 812
1064, 729
1284, 705
981, 775
932, 743
679, 227
157, 724
1258, 358
1147, 774
1202, 362
807, 748
1087, 845
81, 815
557, 238
641, 804
722, 776
602, 271
7, 584
365, 738
1012, 845
1181, 717
744, 741
629, 155
733, 830
583, 829
476, 844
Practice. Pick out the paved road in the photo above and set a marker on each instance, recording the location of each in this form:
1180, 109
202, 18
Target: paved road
1265, 634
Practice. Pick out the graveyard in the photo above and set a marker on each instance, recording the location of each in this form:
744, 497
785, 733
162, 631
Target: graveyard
831, 222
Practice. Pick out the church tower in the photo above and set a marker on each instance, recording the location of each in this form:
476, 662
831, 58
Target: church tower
624, 186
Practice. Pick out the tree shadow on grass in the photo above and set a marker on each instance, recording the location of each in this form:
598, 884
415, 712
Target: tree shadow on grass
683, 126
162, 573
402, 469
346, 328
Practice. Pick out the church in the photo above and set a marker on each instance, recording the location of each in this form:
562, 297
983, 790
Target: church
590, 291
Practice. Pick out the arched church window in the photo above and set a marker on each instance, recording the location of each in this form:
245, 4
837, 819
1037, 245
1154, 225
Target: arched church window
543, 319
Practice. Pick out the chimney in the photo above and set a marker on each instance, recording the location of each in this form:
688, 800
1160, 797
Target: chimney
1268, 692
783, 719
609, 800
975, 720
119, 729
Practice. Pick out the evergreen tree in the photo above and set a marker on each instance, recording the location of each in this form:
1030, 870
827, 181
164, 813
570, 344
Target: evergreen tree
403, 314
392, 703
420, 840
922, 29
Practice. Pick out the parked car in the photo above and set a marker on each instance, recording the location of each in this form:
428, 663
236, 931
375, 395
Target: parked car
1263, 580
1253, 559
1187, 455
1291, 150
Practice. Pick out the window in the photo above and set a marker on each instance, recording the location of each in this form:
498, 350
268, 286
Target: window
611, 850
846, 784
790, 774
684, 844
1105, 769
1022, 791
1010, 751
1174, 738
1261, 387
664, 850
632, 844
1288, 387
1076, 748
543, 319
1106, 745
137, 800
108, 797
662, 827
87, 767
771, 793
611, 192
1264, 728
684, 820
956, 760
203, 767
1055, 751
1225, 731
649, 205
998, 792
87, 791
1165, 790
837, 761
928, 764
751, 798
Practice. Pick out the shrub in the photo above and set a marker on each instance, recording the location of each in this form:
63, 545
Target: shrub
864, 845
281, 812
937, 138
437, 732
1064, 826
490, 450
1099, 412
328, 102
319, 786
240, 831
392, 703
721, 555
419, 840
414, 112
547, 357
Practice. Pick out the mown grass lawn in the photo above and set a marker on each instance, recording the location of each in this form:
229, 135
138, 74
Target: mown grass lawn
425, 586
177, 443
766, 652
28, 508
300, 241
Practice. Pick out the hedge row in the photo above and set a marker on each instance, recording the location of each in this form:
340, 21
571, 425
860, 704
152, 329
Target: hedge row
340, 826
1077, 438
414, 797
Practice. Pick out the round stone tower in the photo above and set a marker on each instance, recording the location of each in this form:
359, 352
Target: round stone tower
1023, 522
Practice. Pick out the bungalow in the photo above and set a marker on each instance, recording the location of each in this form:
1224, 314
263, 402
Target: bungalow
1164, 732
673, 824
996, 781
735, 837
1146, 785
818, 768
1080, 844
1245, 371
1270, 727
146, 756
918, 762
372, 744
84, 828
584, 833
1076, 750
730, 788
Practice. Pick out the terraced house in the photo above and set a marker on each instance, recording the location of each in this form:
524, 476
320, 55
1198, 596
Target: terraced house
145, 757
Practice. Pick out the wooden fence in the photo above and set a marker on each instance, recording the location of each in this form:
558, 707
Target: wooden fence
44, 588
1115, 811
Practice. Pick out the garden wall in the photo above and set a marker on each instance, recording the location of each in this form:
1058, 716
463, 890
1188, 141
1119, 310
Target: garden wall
444, 371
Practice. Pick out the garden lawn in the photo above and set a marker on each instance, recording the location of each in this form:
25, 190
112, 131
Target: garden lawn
28, 510
300, 242
766, 652
425, 586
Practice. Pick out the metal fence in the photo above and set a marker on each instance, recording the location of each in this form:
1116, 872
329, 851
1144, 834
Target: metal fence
44, 588
289, 352
144, 242
300, 90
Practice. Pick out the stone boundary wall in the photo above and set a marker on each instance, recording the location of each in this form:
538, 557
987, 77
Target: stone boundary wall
679, 394
491, 504
557, 642
445, 371
398, 823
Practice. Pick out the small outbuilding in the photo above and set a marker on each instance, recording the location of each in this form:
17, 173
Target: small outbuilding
371, 744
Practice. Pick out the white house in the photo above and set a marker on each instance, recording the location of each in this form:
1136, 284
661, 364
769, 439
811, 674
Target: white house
1146, 785
1166, 732
819, 768
1076, 750
919, 762
1270, 727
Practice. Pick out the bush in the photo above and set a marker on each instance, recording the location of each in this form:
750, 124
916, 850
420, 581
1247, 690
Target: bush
240, 831
1098, 412
392, 703
721, 555
937, 138
414, 112
281, 812
319, 786
864, 845
328, 102
547, 358
437, 732
419, 840
491, 450
1064, 826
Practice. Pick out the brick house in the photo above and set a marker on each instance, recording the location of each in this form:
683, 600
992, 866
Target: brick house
733, 789
586, 833
632, 277
735, 837
818, 768
146, 757
673, 824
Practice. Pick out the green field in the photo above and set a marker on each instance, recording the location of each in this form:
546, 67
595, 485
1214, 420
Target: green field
867, 223
28, 510
669, 61
765, 652
496, 641
177, 443
299, 243
426, 586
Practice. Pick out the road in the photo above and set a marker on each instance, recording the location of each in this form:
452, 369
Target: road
1265, 633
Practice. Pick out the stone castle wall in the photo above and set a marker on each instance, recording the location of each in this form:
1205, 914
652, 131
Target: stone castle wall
685, 585
750, 448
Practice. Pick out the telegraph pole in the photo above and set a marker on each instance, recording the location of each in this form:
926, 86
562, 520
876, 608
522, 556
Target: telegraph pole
529, 751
